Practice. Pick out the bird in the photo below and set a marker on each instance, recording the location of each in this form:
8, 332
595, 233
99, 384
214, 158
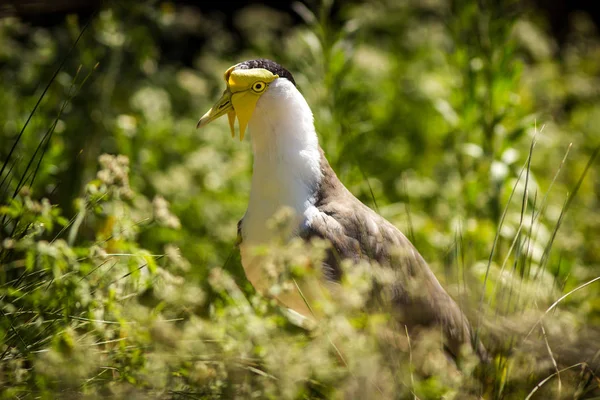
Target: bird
290, 170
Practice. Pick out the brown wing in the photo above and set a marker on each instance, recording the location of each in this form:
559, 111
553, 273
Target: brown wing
357, 232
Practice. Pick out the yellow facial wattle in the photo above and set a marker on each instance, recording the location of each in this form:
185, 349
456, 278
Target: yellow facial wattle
244, 88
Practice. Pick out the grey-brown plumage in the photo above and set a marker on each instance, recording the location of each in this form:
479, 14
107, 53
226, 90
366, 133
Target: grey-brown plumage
357, 232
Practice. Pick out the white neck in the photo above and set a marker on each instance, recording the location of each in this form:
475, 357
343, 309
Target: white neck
286, 158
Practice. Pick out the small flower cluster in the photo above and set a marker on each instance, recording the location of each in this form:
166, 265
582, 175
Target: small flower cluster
115, 174
163, 215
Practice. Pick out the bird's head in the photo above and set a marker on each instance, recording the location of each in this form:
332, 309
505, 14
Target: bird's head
246, 83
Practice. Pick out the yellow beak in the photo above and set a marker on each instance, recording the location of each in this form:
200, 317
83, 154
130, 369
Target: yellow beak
240, 104
221, 107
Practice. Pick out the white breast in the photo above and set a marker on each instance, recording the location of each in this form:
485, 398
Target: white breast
286, 169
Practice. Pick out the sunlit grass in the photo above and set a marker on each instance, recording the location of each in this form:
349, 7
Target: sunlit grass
120, 276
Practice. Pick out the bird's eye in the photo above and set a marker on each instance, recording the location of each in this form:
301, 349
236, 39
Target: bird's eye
259, 87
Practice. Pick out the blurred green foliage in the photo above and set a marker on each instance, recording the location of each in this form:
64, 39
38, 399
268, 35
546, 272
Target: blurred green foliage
461, 122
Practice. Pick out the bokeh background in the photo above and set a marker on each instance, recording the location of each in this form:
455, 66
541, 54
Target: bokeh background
471, 125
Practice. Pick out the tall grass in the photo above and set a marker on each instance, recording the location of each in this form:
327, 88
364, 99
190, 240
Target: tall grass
120, 275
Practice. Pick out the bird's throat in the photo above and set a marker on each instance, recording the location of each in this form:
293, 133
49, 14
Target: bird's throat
286, 169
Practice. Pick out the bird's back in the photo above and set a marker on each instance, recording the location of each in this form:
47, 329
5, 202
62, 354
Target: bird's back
356, 232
